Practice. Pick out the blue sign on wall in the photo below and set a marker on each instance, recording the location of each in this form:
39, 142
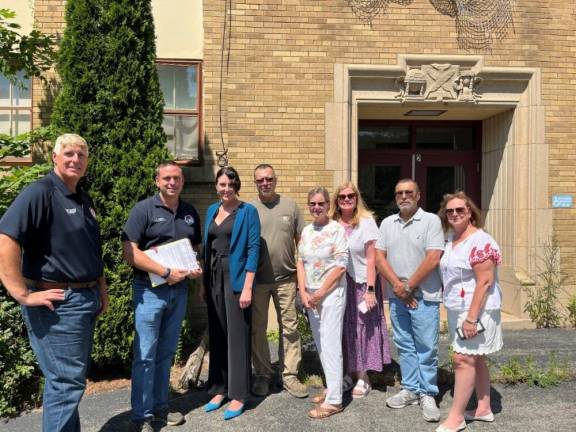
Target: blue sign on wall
562, 201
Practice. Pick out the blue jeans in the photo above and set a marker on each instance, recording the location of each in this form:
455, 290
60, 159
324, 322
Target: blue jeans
416, 338
158, 315
62, 342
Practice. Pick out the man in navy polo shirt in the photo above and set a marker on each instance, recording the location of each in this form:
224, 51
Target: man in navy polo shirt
51, 263
158, 311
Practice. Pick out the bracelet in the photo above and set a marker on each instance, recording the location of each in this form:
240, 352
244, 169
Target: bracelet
370, 289
471, 321
165, 275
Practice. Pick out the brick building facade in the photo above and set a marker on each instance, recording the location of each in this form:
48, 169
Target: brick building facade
307, 86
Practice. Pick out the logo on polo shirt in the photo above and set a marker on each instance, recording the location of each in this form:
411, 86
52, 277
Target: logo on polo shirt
159, 219
189, 219
71, 211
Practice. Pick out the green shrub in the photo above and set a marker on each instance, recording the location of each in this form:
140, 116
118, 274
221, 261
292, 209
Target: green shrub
304, 329
571, 307
543, 304
515, 371
110, 95
20, 379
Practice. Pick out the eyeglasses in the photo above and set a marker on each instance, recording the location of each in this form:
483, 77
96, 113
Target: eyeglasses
408, 193
458, 210
265, 179
314, 204
343, 197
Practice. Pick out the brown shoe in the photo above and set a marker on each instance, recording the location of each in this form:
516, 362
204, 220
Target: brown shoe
321, 412
295, 387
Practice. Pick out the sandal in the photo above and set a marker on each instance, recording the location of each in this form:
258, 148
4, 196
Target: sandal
322, 412
320, 397
361, 389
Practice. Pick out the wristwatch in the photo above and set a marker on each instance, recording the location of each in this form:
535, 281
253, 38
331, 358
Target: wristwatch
165, 275
370, 288
406, 287
469, 321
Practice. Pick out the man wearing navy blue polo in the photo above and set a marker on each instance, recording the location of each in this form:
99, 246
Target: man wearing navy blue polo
51, 263
158, 311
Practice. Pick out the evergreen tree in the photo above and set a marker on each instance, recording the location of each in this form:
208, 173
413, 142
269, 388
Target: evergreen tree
110, 95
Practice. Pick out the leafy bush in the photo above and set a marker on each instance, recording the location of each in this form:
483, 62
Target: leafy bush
20, 379
304, 329
543, 304
110, 95
571, 307
515, 371
32, 53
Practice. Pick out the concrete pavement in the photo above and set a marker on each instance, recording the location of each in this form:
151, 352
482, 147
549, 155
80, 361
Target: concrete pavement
518, 408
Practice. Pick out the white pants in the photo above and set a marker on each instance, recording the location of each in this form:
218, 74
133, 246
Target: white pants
326, 323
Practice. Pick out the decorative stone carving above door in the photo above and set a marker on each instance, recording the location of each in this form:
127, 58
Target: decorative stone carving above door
437, 82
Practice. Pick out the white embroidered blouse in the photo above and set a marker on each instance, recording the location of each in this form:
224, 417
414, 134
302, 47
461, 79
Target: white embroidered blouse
457, 271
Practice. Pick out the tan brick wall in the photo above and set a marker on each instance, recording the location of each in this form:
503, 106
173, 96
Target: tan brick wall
49, 19
280, 76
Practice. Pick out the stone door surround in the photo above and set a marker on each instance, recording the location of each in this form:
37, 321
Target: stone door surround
514, 152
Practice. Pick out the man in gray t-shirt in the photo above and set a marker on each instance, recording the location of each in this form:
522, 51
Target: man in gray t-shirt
281, 224
407, 255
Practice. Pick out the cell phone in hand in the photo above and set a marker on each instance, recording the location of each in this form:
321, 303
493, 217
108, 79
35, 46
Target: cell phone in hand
479, 328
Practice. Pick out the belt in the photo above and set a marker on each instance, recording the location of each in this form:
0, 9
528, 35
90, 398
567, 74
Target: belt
59, 285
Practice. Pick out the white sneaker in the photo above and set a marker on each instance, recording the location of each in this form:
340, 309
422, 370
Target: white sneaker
402, 399
430, 411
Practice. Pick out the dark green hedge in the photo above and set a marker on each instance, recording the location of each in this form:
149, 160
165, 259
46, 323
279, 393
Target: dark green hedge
111, 96
20, 379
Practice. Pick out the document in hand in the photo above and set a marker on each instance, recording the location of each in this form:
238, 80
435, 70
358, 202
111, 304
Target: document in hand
175, 255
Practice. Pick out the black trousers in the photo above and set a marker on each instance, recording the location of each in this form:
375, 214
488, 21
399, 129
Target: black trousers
229, 329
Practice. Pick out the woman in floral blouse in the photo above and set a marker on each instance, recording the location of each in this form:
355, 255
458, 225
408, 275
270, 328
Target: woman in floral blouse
323, 257
472, 297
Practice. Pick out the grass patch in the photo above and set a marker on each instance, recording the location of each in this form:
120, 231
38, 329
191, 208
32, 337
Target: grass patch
516, 371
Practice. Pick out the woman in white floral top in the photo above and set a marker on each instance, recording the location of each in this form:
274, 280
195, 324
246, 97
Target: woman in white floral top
323, 257
472, 298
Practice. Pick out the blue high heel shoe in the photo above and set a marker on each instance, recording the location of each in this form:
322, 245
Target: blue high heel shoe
230, 414
212, 406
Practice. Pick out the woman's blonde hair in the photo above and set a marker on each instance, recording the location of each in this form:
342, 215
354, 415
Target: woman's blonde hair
360, 211
476, 218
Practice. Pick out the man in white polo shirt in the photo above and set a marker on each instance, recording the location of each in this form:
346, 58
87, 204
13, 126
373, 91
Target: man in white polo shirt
407, 255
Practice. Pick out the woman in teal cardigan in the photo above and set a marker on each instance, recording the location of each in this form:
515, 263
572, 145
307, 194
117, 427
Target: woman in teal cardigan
231, 249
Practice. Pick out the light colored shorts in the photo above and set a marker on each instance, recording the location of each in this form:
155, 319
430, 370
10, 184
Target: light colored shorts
488, 342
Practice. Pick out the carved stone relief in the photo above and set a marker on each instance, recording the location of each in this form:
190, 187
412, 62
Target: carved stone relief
466, 85
440, 78
438, 82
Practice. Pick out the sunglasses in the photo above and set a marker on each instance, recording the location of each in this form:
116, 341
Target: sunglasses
408, 193
264, 179
316, 204
458, 210
343, 197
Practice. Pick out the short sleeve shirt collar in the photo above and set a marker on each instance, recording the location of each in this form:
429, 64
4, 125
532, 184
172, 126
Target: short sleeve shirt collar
61, 186
415, 217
